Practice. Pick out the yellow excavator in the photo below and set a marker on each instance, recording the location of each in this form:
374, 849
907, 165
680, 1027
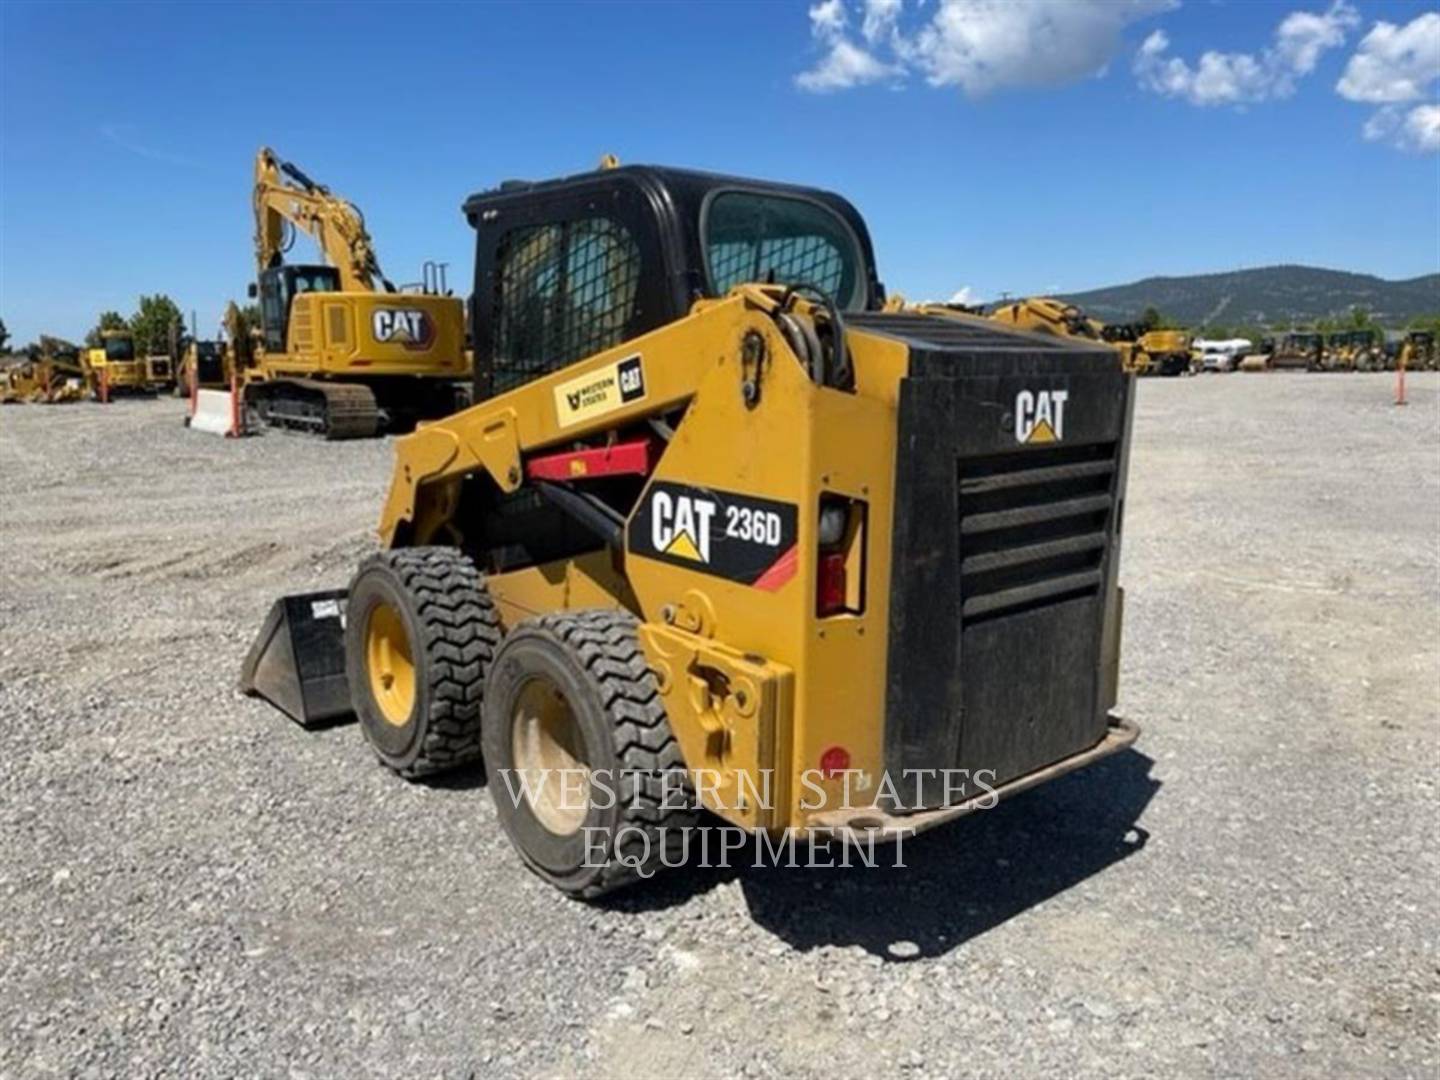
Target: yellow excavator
343, 353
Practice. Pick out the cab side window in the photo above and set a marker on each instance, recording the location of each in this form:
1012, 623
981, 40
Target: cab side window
564, 291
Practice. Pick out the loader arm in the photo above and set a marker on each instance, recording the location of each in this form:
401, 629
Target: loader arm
285, 194
494, 435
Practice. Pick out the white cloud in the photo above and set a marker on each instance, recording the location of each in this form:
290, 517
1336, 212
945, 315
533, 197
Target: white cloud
827, 19
1394, 63
986, 45
844, 64
1239, 78
880, 19
1394, 66
1422, 128
977, 45
1416, 128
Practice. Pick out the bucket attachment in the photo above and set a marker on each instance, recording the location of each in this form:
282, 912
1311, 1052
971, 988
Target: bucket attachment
298, 661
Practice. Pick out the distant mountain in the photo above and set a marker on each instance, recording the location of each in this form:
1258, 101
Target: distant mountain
1267, 295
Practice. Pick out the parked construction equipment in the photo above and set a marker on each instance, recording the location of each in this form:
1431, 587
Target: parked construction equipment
1299, 350
343, 354
1045, 315
1354, 350
1167, 352
203, 365
1417, 351
114, 366
53, 376
706, 522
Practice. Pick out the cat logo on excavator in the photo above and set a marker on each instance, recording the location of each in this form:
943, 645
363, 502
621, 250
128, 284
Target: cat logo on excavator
407, 326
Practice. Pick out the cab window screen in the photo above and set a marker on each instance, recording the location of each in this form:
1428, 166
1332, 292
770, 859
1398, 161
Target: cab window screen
751, 237
563, 292
119, 349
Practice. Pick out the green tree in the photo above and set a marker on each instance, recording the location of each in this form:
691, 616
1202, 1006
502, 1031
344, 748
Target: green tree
4, 335
109, 320
152, 324
1360, 318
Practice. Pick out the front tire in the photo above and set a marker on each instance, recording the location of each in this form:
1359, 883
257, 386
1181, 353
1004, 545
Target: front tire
587, 778
420, 633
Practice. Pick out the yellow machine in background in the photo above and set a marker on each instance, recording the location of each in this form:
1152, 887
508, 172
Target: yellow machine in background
1045, 315
206, 363
1048, 316
215, 362
1168, 351
115, 365
19, 382
1417, 351
1354, 350
1302, 350
55, 377
724, 532
343, 354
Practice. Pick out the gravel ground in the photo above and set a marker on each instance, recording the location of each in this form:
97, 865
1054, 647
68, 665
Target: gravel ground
196, 887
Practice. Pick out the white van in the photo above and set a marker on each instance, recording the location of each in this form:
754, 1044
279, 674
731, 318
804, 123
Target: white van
1222, 355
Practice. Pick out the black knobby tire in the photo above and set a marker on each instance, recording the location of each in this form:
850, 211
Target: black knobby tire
594, 659
453, 630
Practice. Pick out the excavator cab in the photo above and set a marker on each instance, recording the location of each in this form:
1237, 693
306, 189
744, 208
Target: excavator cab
279, 285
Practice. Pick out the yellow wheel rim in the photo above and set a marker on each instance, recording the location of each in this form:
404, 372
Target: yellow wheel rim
390, 665
550, 757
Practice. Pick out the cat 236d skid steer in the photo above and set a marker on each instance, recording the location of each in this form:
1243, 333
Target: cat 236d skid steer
719, 517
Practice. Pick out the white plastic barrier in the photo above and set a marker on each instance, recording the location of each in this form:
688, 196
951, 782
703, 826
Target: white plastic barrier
215, 413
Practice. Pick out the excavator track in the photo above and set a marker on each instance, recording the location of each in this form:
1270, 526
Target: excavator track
332, 410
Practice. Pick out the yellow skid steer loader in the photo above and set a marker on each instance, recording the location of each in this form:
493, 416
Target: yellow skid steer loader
722, 533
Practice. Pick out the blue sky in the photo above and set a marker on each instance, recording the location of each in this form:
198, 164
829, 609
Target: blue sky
1021, 147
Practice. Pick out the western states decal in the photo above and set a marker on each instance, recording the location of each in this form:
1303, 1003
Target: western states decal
598, 392
740, 537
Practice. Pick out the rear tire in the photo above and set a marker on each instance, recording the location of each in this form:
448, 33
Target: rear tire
420, 633
572, 714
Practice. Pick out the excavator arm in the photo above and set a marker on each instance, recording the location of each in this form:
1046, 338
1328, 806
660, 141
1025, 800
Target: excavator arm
285, 194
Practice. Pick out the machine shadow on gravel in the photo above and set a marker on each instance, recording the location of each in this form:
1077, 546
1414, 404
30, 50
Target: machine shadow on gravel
959, 880
965, 878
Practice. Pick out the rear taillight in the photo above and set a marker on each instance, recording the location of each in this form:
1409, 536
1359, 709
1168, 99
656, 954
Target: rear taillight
831, 592
840, 559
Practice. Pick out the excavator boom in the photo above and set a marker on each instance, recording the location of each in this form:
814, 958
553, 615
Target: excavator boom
285, 194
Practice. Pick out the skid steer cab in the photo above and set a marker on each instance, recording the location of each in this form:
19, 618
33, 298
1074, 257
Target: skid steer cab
721, 533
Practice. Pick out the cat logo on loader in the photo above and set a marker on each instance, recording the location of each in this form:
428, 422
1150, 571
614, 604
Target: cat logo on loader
681, 525
1040, 416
